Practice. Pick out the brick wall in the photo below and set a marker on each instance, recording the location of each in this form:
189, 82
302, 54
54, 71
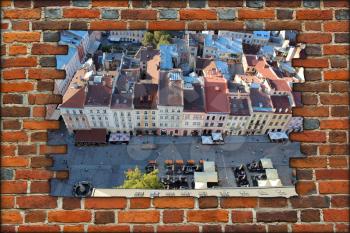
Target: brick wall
28, 49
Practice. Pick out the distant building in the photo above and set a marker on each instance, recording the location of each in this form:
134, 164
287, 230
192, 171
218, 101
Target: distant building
126, 36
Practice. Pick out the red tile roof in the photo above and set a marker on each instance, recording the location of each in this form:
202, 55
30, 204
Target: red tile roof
216, 97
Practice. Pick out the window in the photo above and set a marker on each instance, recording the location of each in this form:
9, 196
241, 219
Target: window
104, 111
207, 117
153, 112
220, 124
211, 124
146, 124
213, 118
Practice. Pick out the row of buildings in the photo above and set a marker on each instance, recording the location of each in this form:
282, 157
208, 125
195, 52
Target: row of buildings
199, 84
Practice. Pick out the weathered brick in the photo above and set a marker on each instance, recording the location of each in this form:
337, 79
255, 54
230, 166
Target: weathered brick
256, 14
50, 25
69, 216
197, 14
104, 217
36, 202
133, 216
167, 14
311, 3
196, 3
173, 216
70, 203
208, 202
17, 87
105, 203
110, 14
284, 14
81, 3
53, 13
19, 62
140, 203
245, 228
308, 162
311, 124
240, 216
15, 111
226, 14
12, 99
139, 14
80, 13
342, 14
329, 187
171, 202
335, 215
314, 14
107, 25
238, 202
276, 216
255, 3
35, 216
22, 14
207, 216
9, 37
47, 61
11, 217
110, 3
6, 174
310, 215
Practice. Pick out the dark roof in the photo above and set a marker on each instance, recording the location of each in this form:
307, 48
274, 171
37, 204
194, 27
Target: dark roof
250, 48
202, 63
193, 99
170, 91
92, 135
145, 96
260, 99
281, 104
297, 98
279, 85
99, 94
239, 107
252, 60
75, 101
147, 53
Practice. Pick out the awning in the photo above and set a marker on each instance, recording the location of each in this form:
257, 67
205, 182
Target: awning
266, 163
271, 174
91, 136
277, 135
206, 177
207, 140
119, 137
209, 166
200, 185
217, 137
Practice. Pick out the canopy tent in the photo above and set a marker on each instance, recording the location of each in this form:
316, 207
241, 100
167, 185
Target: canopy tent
277, 136
90, 136
217, 137
207, 177
209, 166
266, 163
119, 137
271, 174
200, 185
207, 140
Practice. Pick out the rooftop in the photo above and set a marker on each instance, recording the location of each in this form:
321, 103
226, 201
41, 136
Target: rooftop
216, 98
281, 104
170, 88
261, 102
99, 91
280, 85
145, 96
239, 107
193, 99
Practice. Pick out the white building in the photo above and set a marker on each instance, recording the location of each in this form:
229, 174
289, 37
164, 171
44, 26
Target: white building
126, 36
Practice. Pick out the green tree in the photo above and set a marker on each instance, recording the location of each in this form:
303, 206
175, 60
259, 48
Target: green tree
135, 179
148, 39
164, 39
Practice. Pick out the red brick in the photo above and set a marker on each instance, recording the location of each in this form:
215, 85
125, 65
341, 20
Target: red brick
335, 3
278, 3
105, 203
195, 25
140, 203
50, 25
6, 3
334, 124
4, 26
334, 149
12, 187
116, 228
48, 49
308, 162
245, 228
38, 137
57, 149
173, 216
340, 201
276, 216
17, 87
342, 227
17, 50
14, 161
305, 187
143, 229
139, 14
177, 228
20, 25
35, 216
39, 228
41, 187
137, 25
276, 202
166, 25
173, 202
69, 216
28, 124
314, 38
22, 14
11, 217
11, 124
256, 14
310, 215
335, 215
36, 202
44, 99
282, 25
138, 216
34, 174
73, 228
107, 25
80, 13
71, 203
46, 74
337, 137
169, 4
15, 111
239, 216
192, 14
208, 202
8, 150
26, 149
104, 217
336, 49
328, 187
110, 3
238, 202
336, 26
19, 62
336, 75
207, 216
332, 174
311, 63
13, 74
7, 202
314, 14
12, 99
9, 37
308, 136
313, 26
338, 161
14, 136
278, 228
310, 228
39, 111
225, 3
340, 87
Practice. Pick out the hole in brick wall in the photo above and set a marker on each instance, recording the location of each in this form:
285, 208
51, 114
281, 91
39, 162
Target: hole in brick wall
210, 111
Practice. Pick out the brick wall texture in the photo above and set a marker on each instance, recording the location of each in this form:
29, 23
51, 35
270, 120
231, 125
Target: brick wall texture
28, 48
